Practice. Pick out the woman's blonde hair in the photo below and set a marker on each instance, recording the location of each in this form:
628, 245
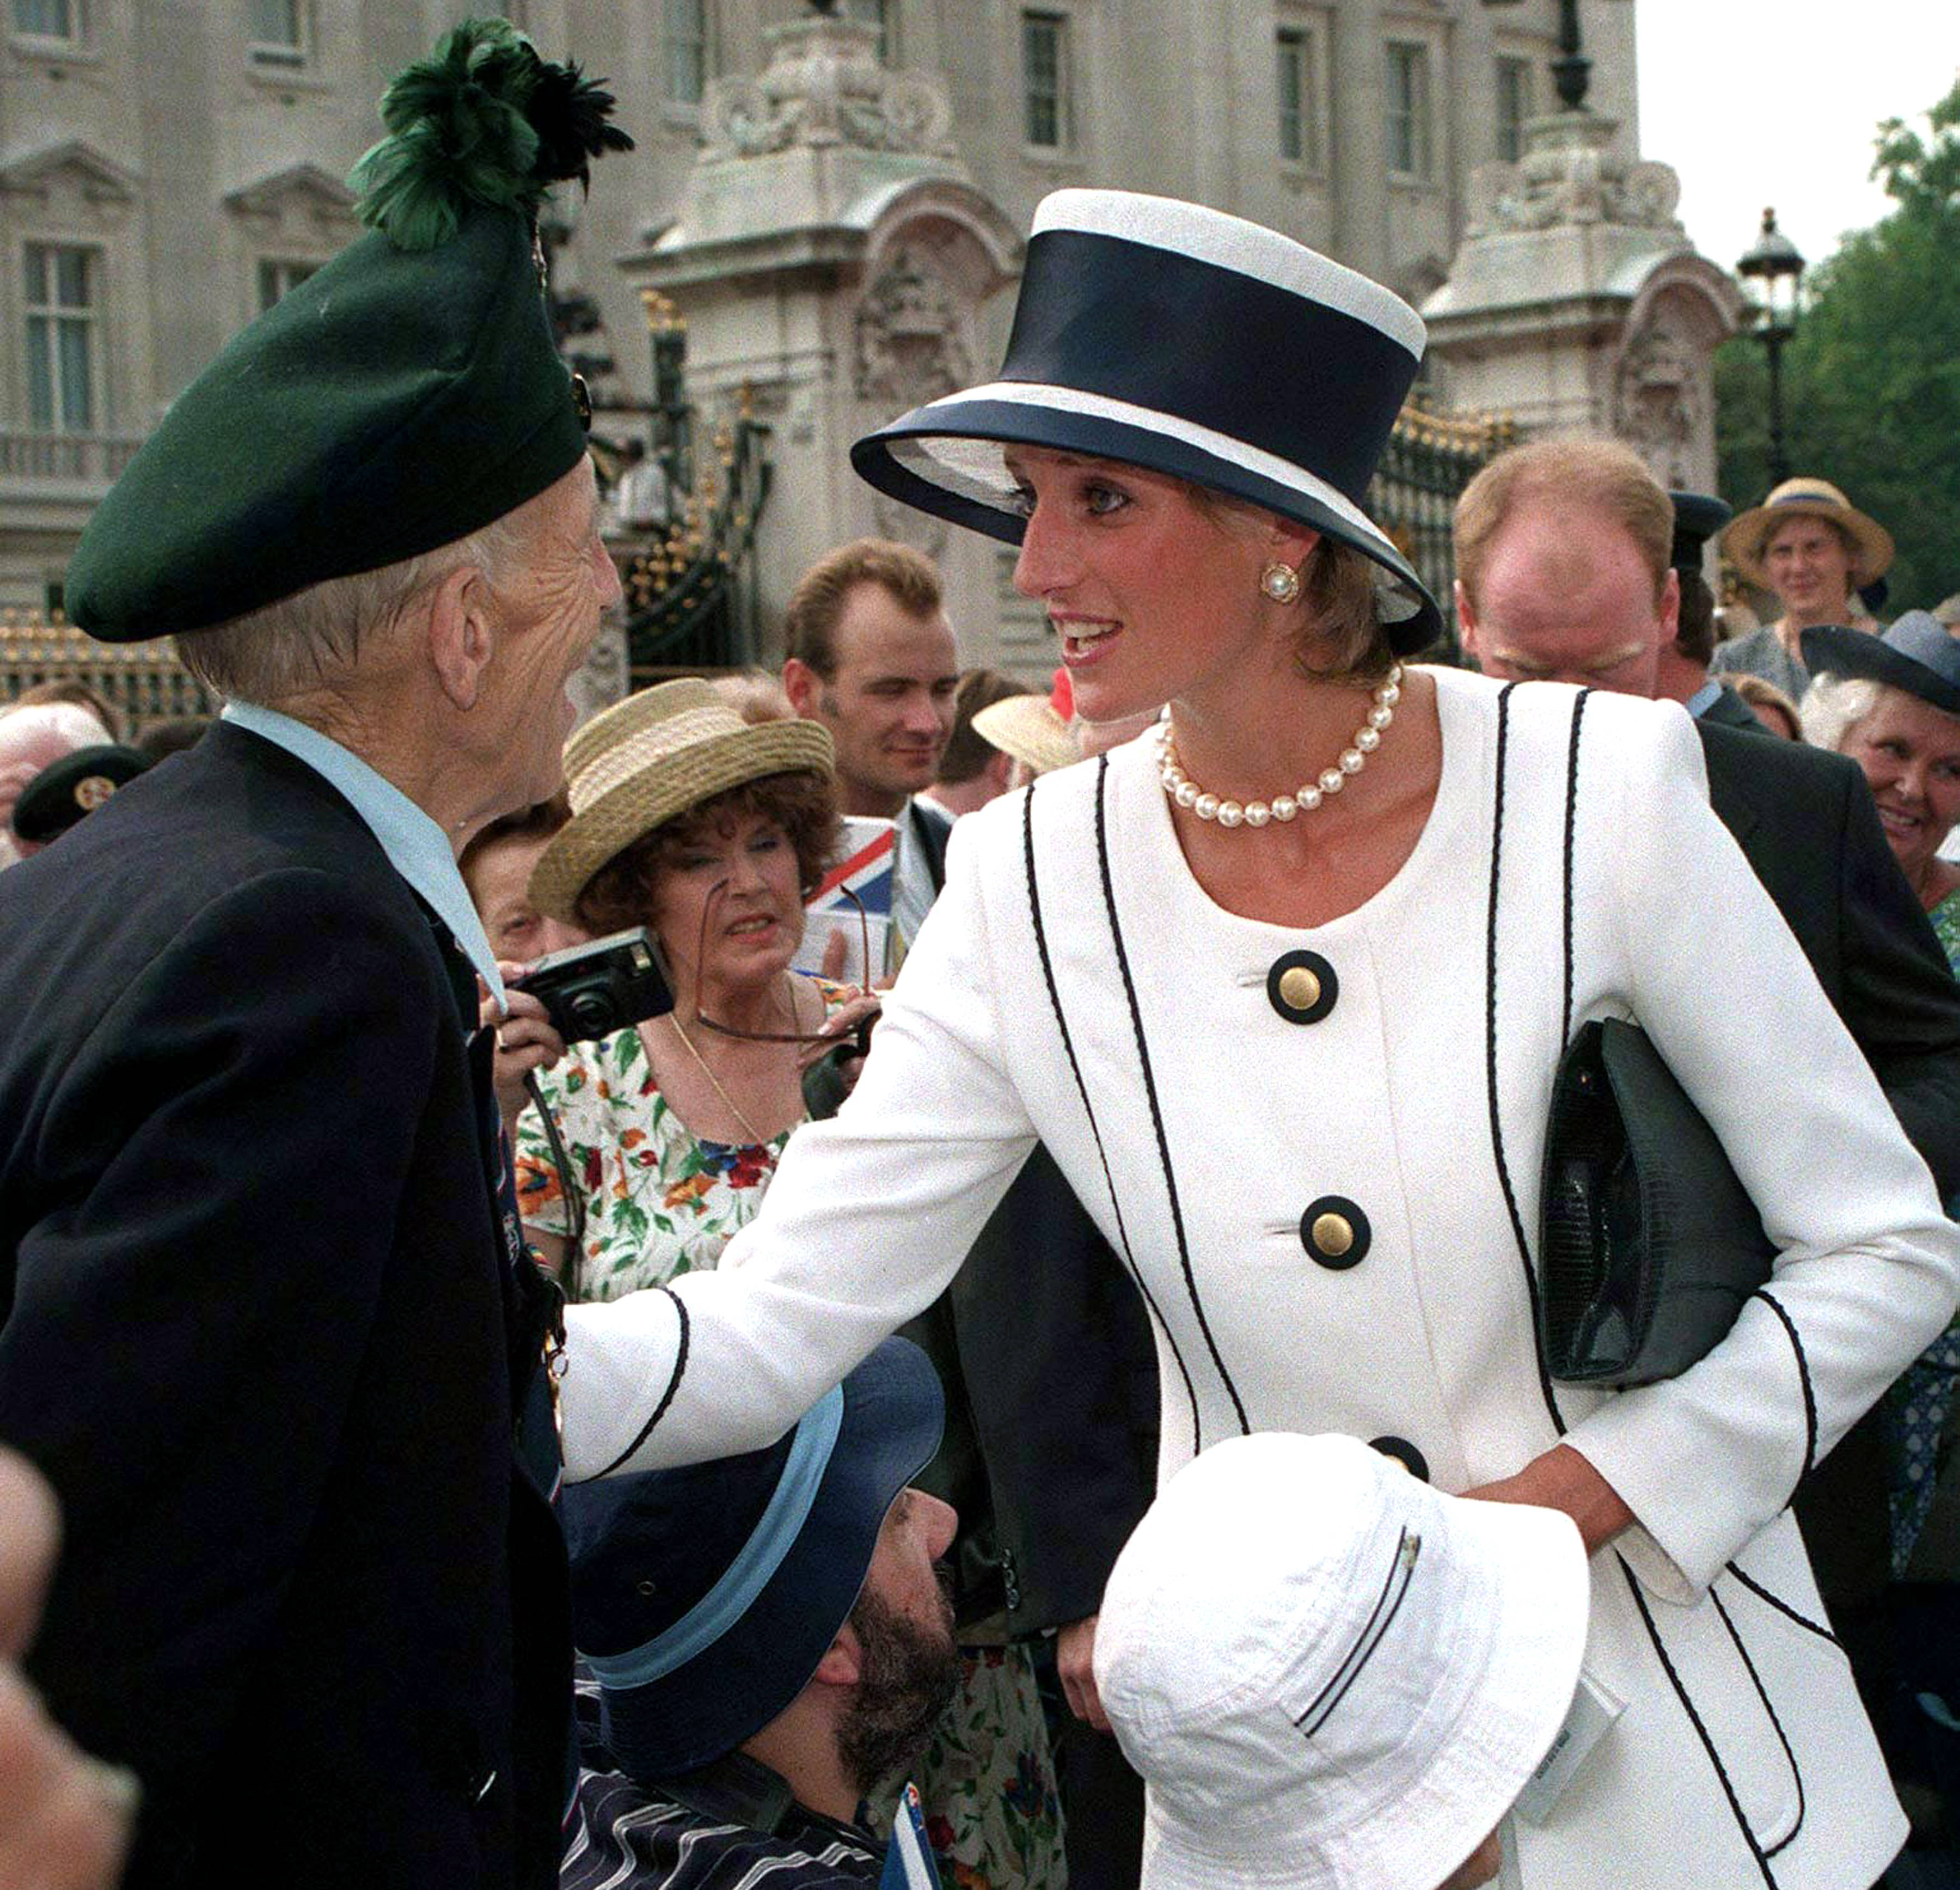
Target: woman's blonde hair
1341, 637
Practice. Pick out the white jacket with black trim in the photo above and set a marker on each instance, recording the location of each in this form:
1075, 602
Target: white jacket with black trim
1305, 1177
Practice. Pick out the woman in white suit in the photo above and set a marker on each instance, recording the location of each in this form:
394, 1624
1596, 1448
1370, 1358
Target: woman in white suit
1282, 986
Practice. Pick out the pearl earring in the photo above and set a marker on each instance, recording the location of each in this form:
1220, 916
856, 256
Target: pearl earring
1280, 582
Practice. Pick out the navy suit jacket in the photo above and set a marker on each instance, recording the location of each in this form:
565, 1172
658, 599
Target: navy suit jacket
258, 1327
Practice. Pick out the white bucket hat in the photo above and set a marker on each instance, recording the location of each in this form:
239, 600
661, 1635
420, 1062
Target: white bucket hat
1168, 336
1331, 1676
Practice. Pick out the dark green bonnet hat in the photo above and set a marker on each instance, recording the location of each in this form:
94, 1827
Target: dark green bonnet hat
400, 398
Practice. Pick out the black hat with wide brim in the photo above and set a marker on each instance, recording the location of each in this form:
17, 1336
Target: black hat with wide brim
403, 396
1916, 654
1167, 335
66, 791
704, 1597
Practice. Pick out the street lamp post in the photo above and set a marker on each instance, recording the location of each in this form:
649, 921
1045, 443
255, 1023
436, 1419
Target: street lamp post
1571, 70
1772, 269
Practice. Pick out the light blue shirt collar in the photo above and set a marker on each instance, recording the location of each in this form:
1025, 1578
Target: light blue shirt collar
1704, 698
417, 848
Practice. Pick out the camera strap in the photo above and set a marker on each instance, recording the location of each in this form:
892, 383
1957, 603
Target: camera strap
568, 1184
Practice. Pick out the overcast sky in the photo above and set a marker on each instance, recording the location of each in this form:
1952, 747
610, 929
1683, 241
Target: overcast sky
1756, 105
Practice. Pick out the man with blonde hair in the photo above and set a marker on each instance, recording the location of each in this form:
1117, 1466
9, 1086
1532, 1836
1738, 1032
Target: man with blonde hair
869, 654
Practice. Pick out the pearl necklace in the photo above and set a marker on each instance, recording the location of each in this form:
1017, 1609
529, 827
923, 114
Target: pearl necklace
1187, 793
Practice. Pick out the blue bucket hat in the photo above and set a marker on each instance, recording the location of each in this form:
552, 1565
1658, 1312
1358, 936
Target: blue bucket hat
704, 1598
1916, 654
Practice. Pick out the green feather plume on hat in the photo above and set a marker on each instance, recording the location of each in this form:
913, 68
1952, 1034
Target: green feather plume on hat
484, 120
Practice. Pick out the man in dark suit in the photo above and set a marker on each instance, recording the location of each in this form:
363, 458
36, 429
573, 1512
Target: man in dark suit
265, 1324
1574, 581
1569, 567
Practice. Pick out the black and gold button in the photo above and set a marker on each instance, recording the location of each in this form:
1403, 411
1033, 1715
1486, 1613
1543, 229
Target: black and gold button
1335, 1232
1302, 987
1404, 1453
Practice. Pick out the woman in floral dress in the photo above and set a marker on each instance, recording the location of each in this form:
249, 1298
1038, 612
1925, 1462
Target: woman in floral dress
707, 830
707, 826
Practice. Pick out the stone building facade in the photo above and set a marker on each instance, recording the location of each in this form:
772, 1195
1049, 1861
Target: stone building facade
168, 167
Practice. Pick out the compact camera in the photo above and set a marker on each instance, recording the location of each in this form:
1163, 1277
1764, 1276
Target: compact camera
593, 990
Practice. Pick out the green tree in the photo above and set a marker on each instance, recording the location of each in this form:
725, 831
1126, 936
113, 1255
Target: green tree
1872, 379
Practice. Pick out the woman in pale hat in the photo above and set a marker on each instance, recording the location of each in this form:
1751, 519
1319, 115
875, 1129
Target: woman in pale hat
1814, 550
709, 829
1283, 984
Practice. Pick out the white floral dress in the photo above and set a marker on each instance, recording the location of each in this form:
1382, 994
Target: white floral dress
660, 1200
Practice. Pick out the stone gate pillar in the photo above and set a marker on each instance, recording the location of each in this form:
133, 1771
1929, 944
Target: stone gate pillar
1576, 304
832, 254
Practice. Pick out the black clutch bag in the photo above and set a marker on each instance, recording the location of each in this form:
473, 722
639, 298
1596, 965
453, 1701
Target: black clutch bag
1649, 1242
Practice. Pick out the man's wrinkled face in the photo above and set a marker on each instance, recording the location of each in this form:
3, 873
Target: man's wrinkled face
1565, 595
549, 608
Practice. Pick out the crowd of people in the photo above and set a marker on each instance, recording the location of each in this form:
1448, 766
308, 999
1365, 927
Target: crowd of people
551, 1371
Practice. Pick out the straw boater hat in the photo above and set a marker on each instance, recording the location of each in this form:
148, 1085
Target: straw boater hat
649, 758
1037, 731
1743, 543
1176, 338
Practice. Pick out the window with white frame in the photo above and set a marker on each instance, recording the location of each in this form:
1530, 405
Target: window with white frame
1046, 80
1407, 122
1514, 106
63, 305
279, 31
879, 13
276, 276
1298, 96
684, 42
62, 21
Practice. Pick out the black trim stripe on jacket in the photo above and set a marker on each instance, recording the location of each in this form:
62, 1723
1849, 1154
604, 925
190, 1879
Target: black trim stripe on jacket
1088, 1109
1150, 1091
1803, 1378
667, 1397
1782, 1737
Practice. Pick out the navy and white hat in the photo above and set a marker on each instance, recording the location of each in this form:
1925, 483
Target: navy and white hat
1916, 655
704, 1597
1173, 337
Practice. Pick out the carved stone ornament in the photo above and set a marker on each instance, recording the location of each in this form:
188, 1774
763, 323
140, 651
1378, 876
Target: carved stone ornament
826, 85
1570, 174
1658, 395
911, 347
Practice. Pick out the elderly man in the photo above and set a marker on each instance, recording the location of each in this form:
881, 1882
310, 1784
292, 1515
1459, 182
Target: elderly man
768, 1644
268, 1330
1564, 551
